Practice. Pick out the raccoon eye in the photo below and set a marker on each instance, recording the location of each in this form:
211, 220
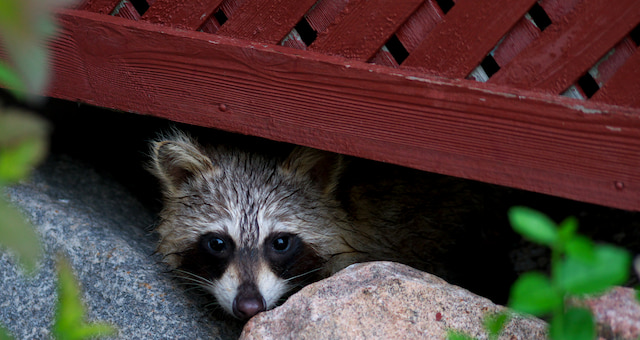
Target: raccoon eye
281, 244
217, 244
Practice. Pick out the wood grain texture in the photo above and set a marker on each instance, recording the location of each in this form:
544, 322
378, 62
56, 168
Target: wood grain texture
266, 21
567, 49
623, 88
610, 63
582, 150
324, 12
99, 6
419, 24
184, 14
467, 34
557, 9
363, 27
520, 36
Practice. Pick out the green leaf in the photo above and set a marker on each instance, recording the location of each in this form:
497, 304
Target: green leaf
18, 236
581, 248
533, 225
457, 335
23, 144
495, 323
575, 324
610, 267
533, 293
11, 80
567, 228
17, 162
4, 334
69, 319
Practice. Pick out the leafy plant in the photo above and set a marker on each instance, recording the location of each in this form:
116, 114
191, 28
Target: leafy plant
493, 324
24, 27
23, 145
578, 267
69, 322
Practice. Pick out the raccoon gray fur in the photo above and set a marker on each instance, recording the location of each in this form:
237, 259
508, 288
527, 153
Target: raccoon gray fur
251, 229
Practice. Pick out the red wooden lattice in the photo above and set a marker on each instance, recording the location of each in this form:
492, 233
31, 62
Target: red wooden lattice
540, 95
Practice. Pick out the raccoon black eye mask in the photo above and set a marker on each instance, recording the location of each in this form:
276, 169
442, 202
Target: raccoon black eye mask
252, 229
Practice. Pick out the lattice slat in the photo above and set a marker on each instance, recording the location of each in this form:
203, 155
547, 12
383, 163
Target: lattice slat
623, 88
556, 9
125, 9
522, 34
423, 21
181, 13
98, 6
610, 64
364, 27
324, 12
388, 98
266, 21
566, 50
469, 31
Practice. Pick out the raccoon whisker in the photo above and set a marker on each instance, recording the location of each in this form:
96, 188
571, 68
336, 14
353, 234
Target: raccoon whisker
214, 303
303, 274
196, 288
193, 277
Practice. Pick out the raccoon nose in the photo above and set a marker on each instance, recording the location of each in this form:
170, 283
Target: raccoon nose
245, 307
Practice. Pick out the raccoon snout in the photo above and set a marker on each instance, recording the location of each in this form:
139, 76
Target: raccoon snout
248, 302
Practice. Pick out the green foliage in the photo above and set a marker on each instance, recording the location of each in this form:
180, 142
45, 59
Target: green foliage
495, 323
534, 226
578, 267
457, 335
492, 323
4, 334
25, 25
573, 324
534, 293
69, 323
23, 144
17, 235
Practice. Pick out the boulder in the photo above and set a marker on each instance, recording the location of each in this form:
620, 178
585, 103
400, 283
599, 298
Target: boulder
103, 231
383, 300
617, 314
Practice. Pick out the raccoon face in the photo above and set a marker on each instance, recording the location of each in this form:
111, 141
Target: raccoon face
246, 281
248, 229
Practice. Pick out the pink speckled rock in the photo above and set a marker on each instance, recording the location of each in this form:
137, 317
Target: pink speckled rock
383, 300
617, 314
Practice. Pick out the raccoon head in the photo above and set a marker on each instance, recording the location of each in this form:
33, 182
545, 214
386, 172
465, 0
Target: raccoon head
247, 228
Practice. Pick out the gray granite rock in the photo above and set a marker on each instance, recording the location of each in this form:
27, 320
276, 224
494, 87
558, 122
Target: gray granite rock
101, 229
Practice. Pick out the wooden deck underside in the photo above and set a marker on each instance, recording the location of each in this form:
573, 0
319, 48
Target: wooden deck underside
345, 89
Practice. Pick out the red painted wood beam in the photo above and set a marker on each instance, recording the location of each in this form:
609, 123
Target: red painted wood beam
623, 88
364, 27
583, 150
568, 48
183, 14
267, 21
467, 34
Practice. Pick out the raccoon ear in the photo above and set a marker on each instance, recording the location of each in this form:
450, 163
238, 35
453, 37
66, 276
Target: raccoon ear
323, 168
175, 162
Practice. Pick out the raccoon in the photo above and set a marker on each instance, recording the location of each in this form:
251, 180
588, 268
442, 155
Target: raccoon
251, 228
